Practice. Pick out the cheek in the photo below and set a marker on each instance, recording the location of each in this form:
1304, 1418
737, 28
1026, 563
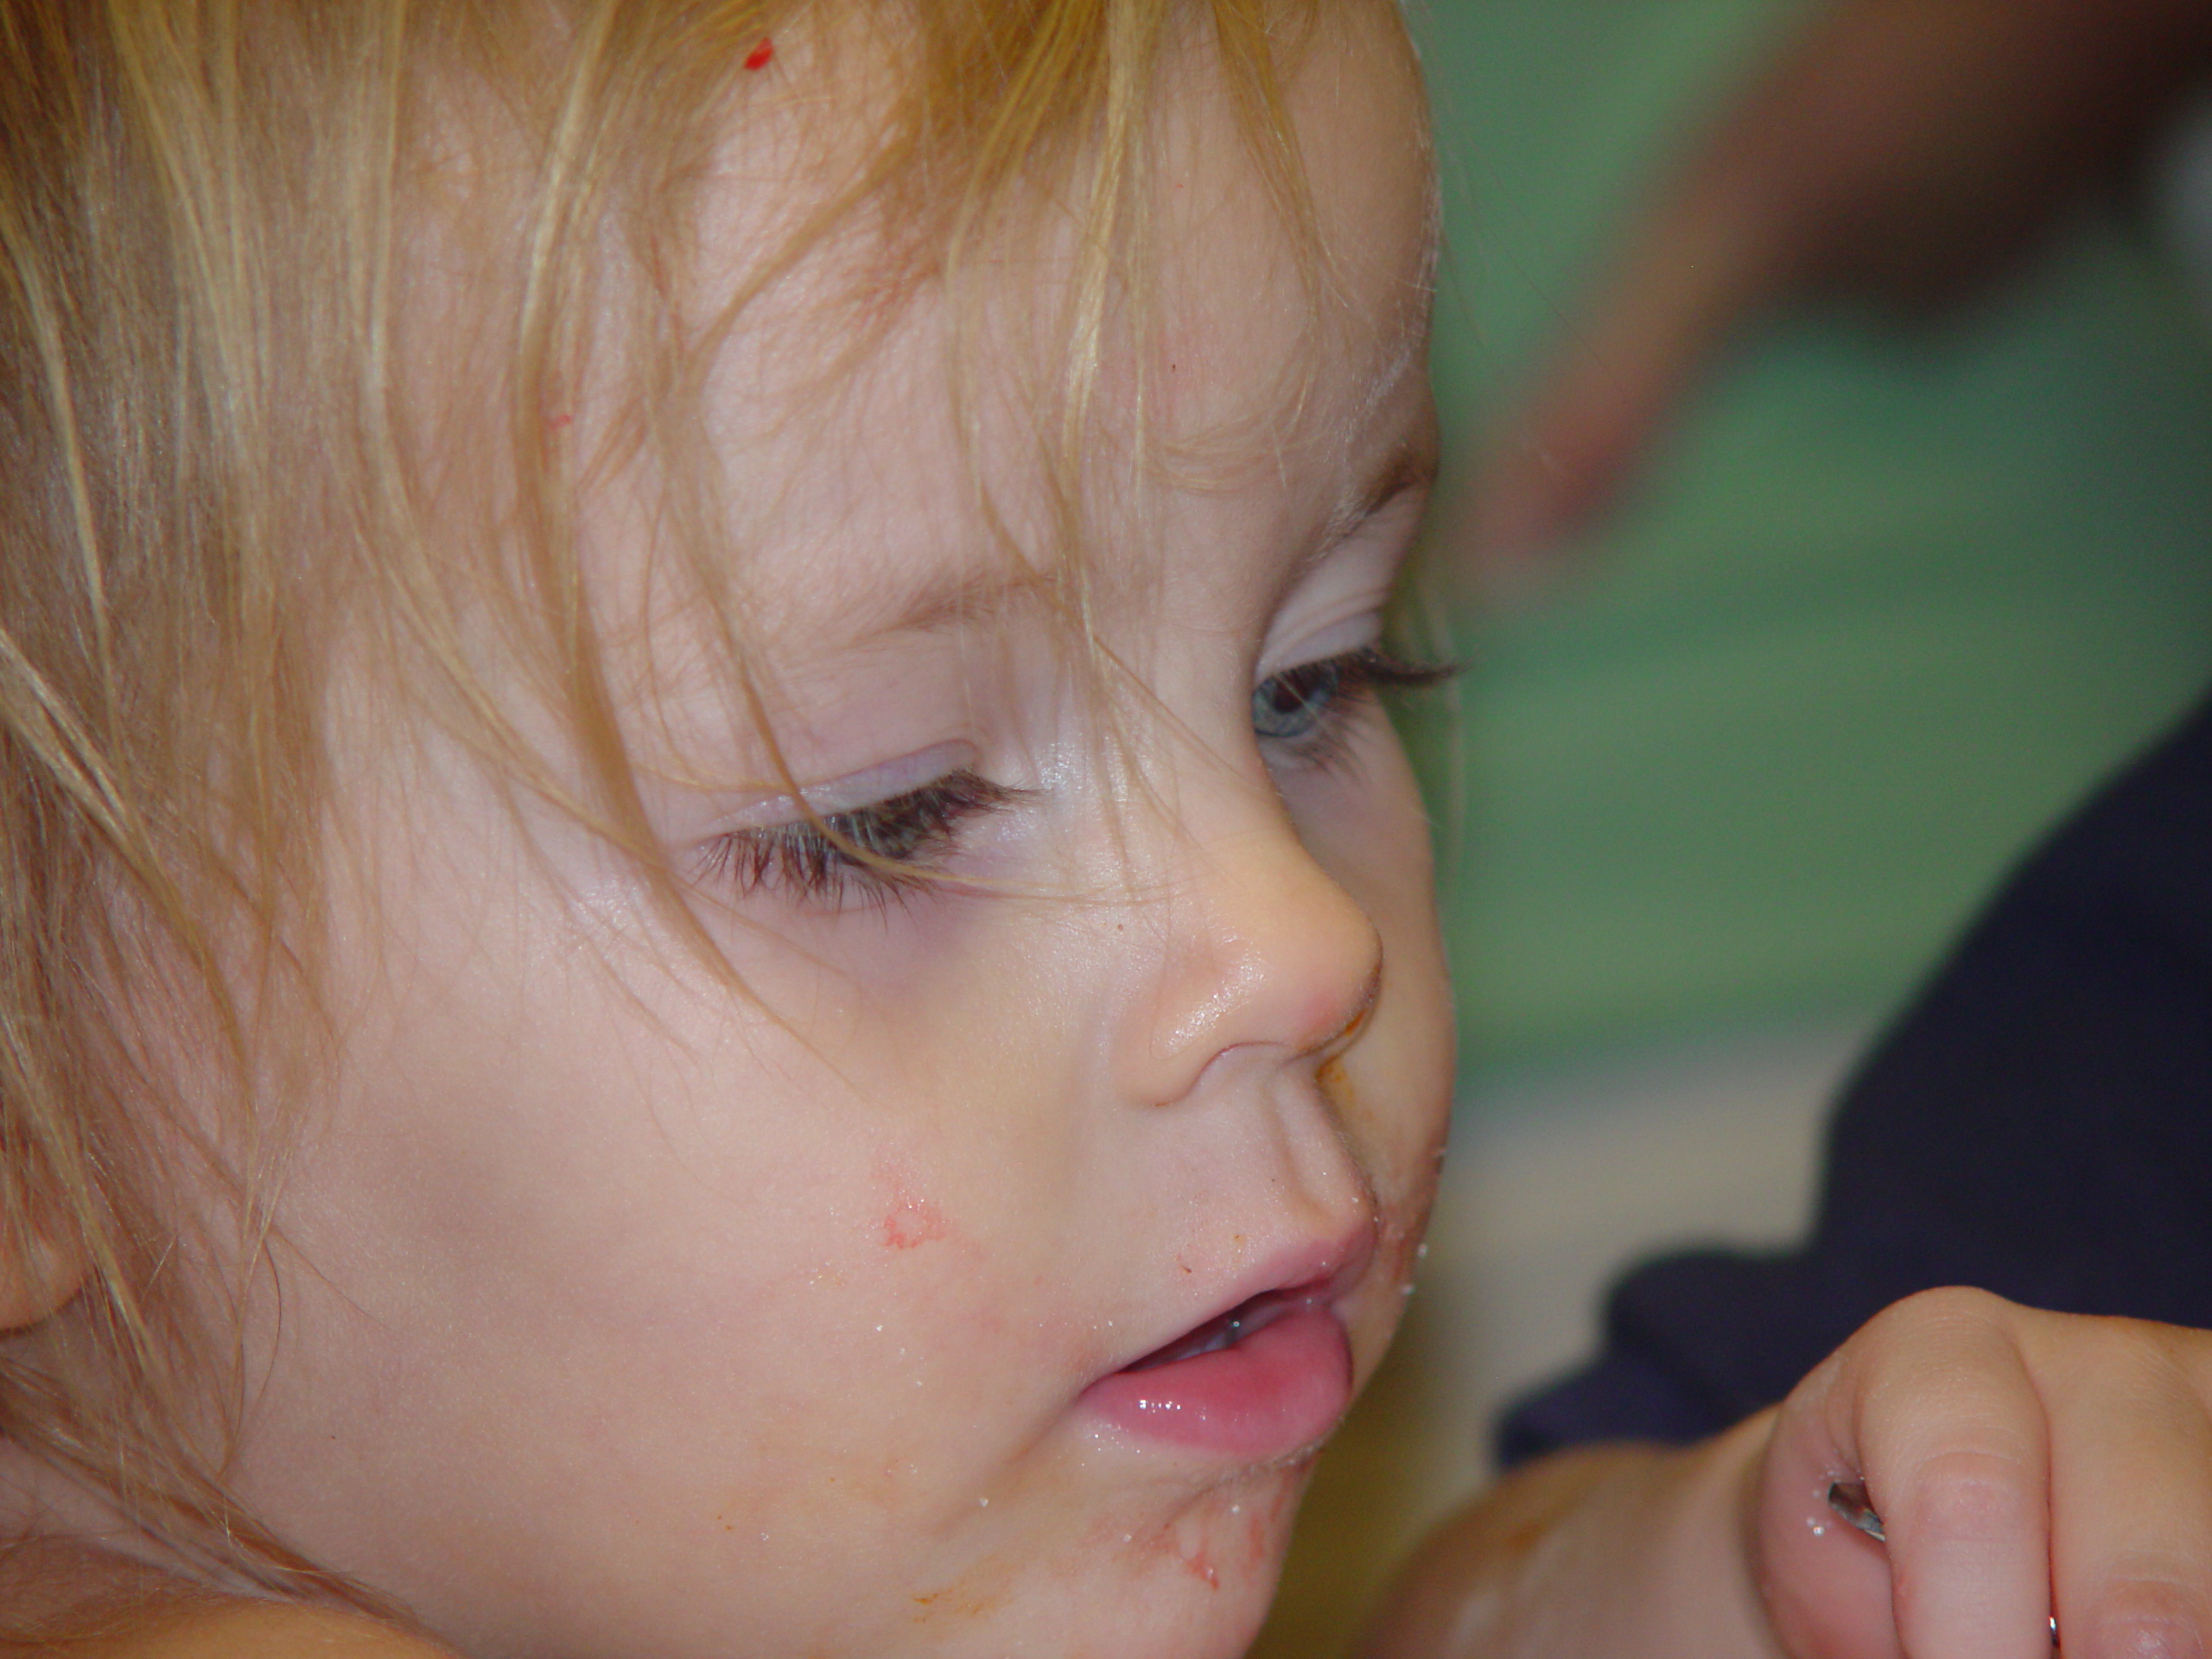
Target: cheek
937, 996
1363, 821
1392, 1090
1368, 829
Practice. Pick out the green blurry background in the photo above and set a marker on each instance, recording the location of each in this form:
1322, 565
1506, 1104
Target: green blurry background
1884, 608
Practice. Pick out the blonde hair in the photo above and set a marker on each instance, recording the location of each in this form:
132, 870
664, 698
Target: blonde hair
213, 454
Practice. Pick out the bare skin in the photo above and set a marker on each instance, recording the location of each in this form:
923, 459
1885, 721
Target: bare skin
68, 1597
1903, 156
1513, 1573
2027, 1465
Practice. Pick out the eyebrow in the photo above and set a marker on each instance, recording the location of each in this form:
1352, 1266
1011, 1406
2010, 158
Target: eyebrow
1412, 464
980, 596
939, 607
973, 598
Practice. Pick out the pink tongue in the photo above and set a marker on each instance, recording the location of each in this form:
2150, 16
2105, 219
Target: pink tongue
1277, 1391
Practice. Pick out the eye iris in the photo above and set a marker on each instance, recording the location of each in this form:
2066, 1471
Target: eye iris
1290, 705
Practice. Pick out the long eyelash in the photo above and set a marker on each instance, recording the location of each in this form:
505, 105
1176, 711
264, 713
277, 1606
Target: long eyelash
1361, 675
1376, 670
883, 851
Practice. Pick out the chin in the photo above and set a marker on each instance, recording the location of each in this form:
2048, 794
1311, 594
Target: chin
1195, 1584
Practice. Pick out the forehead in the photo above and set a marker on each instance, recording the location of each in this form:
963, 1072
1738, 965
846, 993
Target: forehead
898, 459
895, 462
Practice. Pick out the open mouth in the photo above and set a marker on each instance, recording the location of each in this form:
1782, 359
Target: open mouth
1248, 1318
1267, 1379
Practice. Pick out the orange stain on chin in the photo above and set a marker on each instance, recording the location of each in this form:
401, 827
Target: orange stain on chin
1200, 1565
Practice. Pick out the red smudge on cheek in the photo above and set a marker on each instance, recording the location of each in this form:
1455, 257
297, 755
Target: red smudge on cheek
912, 1220
761, 55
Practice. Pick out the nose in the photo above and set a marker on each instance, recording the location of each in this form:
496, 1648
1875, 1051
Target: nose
1260, 950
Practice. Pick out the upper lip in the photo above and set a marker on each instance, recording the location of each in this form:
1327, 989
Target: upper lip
1314, 1273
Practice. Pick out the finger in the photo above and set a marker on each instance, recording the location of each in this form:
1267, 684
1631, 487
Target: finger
2131, 1485
1956, 1450
1932, 1406
1826, 1584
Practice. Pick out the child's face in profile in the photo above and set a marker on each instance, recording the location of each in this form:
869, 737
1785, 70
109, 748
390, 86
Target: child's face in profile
878, 1307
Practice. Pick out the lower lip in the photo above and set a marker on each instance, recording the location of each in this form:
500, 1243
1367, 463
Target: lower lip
1278, 1391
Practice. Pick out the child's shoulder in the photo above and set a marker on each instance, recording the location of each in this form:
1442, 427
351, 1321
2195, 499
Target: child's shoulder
244, 1630
61, 1597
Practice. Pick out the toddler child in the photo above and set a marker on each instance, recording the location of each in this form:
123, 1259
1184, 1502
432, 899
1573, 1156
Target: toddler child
712, 945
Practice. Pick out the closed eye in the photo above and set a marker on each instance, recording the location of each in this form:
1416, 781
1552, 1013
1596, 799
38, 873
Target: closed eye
876, 853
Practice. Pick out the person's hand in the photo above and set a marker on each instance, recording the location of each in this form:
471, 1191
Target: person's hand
1901, 154
2023, 1466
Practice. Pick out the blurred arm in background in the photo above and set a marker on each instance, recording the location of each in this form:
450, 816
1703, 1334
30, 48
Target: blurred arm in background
1902, 154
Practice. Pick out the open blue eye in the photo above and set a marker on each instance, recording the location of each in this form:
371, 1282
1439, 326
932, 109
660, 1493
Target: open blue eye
1289, 705
1301, 704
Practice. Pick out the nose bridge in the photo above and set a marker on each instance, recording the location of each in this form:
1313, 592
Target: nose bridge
1260, 949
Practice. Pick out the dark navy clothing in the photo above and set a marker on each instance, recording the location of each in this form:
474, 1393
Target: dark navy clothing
2039, 1124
